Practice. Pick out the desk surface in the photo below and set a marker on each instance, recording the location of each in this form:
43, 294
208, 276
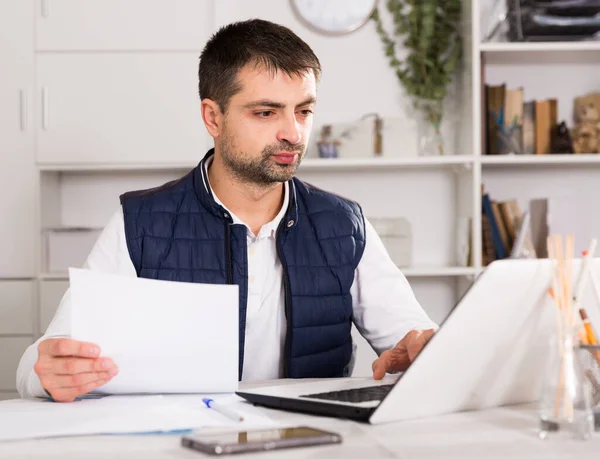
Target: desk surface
508, 432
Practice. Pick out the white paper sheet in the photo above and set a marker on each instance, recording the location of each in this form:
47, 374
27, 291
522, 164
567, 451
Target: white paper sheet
165, 337
120, 414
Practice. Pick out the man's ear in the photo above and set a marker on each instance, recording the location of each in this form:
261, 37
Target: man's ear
212, 117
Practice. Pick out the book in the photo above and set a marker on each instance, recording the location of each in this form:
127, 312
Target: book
508, 218
538, 211
513, 121
501, 226
529, 146
495, 99
488, 252
546, 112
513, 106
487, 209
553, 122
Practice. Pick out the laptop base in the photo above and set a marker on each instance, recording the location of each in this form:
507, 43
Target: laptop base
355, 413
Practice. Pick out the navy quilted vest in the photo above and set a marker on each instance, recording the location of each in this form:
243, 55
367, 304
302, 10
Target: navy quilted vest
178, 232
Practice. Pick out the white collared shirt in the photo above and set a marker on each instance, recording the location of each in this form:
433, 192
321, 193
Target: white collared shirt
265, 313
384, 306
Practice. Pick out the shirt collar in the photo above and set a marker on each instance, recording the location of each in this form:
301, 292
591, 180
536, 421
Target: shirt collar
268, 229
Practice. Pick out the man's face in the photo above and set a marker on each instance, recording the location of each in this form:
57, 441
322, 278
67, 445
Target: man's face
267, 125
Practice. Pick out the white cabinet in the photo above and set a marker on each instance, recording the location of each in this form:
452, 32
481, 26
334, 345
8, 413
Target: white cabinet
17, 299
118, 24
119, 108
51, 293
17, 173
11, 350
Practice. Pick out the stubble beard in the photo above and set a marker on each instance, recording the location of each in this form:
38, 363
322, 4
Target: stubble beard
263, 170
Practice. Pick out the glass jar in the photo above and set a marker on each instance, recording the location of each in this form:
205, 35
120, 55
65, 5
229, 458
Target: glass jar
565, 408
429, 129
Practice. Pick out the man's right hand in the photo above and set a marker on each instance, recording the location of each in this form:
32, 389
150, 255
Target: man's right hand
69, 368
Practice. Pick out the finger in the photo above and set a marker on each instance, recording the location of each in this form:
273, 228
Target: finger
427, 334
380, 365
75, 365
78, 380
71, 365
61, 347
68, 395
418, 342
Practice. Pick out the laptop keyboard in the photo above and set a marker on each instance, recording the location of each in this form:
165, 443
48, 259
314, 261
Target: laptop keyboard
361, 394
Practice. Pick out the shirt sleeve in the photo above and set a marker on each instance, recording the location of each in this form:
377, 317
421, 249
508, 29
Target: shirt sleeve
384, 305
109, 255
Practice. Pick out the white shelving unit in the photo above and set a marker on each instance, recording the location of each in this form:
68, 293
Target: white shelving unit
561, 70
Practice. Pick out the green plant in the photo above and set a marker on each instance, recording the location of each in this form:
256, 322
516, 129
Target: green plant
430, 33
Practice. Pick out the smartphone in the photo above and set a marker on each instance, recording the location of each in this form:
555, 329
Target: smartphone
258, 440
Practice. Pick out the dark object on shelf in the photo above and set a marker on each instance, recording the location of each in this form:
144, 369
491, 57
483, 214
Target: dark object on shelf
562, 139
552, 20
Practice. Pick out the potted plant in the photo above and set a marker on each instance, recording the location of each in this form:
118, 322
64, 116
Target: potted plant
429, 30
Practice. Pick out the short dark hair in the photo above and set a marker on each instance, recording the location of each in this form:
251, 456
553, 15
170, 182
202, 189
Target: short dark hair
255, 41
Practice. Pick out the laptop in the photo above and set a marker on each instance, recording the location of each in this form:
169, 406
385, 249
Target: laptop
490, 351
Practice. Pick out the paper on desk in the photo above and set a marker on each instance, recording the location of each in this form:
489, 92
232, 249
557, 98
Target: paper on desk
119, 414
165, 337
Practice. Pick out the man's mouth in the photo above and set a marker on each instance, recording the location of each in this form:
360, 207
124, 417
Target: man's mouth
285, 157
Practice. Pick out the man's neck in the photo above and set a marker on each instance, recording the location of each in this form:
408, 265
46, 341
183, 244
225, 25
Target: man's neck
254, 205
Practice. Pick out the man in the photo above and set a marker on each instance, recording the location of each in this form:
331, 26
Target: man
307, 262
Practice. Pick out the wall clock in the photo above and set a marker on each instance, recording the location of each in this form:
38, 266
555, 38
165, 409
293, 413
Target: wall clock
334, 17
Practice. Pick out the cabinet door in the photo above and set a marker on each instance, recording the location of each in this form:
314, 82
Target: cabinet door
17, 299
119, 25
17, 170
120, 108
11, 350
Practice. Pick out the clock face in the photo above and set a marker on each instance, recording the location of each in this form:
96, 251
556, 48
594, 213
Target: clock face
334, 17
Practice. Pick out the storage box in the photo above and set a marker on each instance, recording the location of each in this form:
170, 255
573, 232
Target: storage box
396, 235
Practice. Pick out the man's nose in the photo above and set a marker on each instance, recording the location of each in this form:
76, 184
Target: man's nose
289, 131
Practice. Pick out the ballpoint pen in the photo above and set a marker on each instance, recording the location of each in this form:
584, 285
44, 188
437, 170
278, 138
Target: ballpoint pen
210, 403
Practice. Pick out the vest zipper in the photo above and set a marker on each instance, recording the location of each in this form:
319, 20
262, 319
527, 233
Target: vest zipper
287, 305
228, 253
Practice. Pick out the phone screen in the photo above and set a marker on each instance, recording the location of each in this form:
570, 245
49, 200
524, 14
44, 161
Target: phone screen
259, 435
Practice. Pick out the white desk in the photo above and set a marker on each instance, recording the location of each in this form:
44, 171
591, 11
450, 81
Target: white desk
498, 433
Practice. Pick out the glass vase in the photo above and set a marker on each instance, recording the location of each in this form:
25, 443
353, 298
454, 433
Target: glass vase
565, 408
429, 133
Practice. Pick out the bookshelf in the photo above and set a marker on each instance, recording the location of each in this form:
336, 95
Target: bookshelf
545, 70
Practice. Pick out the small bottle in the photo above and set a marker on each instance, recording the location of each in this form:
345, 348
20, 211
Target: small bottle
566, 400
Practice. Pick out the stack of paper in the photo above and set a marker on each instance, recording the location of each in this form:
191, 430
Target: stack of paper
119, 414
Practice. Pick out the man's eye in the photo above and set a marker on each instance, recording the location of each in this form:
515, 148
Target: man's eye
306, 112
265, 114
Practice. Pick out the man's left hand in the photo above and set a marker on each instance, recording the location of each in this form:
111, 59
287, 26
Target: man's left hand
400, 357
